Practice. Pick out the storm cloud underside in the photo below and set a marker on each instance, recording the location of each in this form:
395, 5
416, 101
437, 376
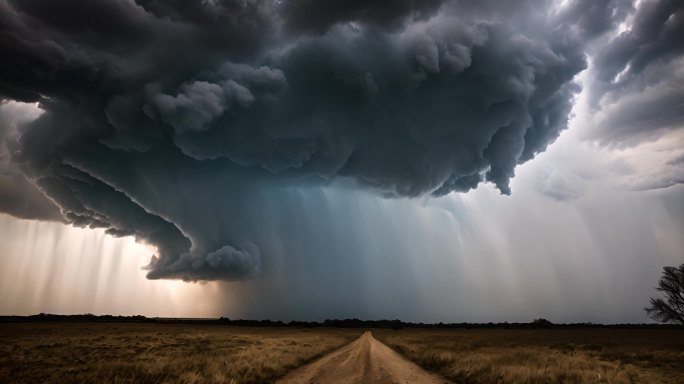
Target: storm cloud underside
192, 125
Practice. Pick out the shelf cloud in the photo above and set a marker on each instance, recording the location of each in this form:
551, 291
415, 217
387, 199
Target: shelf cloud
188, 124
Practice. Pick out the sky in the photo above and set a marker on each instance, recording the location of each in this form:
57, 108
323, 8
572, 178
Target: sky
442, 160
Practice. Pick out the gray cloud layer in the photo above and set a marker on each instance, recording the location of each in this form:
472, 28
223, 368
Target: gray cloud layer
638, 80
185, 124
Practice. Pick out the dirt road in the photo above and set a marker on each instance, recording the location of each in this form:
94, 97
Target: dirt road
365, 360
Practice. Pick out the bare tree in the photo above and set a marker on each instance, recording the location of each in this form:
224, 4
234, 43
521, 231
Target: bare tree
670, 309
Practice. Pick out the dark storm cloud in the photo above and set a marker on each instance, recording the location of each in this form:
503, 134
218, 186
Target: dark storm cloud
318, 16
19, 196
185, 124
591, 18
638, 81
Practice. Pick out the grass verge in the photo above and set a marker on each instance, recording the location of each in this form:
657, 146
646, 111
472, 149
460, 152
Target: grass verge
155, 353
544, 356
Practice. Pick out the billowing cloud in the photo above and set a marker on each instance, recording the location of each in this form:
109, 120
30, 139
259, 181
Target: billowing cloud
591, 19
187, 125
638, 77
19, 196
633, 99
316, 16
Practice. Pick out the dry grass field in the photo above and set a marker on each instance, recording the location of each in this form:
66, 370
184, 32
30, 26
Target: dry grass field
545, 355
157, 353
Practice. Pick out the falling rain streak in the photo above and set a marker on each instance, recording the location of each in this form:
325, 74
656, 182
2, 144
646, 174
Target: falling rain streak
53, 268
456, 258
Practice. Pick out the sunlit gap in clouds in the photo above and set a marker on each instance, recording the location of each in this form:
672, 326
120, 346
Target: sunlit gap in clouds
51, 267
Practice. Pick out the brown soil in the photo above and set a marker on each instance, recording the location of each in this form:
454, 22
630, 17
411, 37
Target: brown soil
366, 360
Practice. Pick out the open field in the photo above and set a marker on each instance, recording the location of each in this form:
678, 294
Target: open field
73, 352
157, 353
544, 355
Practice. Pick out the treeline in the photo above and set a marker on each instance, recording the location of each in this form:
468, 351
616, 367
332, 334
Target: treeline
330, 323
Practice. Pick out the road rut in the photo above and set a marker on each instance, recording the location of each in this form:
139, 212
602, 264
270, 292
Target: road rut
365, 360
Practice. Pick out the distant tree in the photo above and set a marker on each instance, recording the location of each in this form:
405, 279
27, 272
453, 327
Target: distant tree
541, 323
671, 308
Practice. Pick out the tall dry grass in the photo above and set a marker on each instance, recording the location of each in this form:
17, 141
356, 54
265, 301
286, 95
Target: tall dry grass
545, 356
156, 353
